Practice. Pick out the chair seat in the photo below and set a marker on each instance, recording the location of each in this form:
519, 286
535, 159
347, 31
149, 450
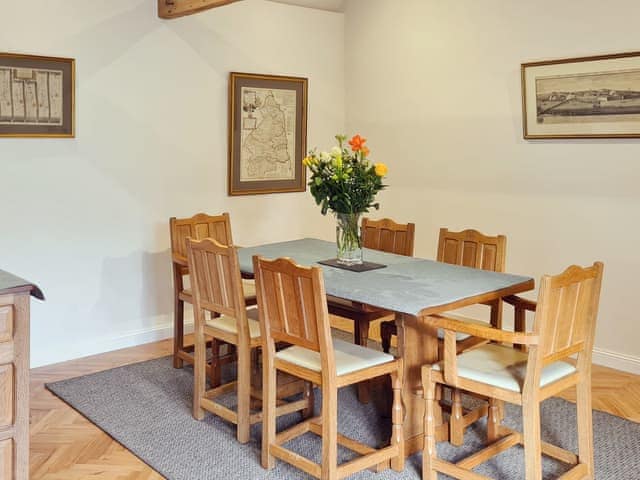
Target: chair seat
228, 324
349, 357
504, 367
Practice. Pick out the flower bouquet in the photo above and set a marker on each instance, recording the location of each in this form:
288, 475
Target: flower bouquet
345, 182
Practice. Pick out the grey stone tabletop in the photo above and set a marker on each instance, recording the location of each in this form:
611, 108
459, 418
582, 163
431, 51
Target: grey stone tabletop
406, 285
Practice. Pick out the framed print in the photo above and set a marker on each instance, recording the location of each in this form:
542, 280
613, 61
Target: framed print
37, 96
587, 97
267, 133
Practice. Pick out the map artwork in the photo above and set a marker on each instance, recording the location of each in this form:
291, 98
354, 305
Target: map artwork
30, 96
268, 134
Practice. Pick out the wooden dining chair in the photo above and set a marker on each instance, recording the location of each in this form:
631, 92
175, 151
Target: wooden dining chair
564, 326
387, 236
293, 309
197, 227
468, 248
221, 313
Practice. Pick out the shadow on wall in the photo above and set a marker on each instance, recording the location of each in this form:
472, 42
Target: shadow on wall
135, 287
100, 44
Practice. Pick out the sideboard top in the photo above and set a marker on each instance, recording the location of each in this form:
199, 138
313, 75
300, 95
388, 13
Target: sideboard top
9, 283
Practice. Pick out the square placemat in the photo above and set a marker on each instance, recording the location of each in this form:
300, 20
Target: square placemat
358, 267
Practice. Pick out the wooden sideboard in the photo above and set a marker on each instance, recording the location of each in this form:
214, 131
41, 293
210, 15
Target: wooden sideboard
15, 294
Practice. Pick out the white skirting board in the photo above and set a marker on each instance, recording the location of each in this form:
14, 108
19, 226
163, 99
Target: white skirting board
606, 358
129, 339
619, 361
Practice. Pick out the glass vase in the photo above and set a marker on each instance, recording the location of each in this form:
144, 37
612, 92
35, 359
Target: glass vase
348, 243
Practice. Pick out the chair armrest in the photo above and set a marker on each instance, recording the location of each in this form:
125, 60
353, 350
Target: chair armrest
488, 332
520, 302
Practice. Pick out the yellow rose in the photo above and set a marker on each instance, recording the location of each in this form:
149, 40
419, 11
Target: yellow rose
381, 169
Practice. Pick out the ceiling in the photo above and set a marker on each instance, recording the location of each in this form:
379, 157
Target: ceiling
331, 5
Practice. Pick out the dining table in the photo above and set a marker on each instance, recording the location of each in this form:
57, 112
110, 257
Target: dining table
415, 289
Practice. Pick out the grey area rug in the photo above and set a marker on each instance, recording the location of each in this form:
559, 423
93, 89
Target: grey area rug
147, 408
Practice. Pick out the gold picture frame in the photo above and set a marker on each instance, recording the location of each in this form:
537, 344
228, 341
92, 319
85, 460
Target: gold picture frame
267, 133
37, 96
583, 97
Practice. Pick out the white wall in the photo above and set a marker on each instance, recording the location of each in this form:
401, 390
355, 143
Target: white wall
435, 86
87, 218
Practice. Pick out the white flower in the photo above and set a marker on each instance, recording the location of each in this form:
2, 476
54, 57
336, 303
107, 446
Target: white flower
336, 151
325, 157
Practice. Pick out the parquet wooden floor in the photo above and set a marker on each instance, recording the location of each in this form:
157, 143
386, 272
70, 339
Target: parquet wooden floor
66, 446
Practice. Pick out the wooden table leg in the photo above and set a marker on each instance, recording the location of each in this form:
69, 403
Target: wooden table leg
417, 345
361, 337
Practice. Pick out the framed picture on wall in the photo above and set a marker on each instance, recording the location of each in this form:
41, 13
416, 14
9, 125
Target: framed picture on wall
37, 96
267, 133
586, 97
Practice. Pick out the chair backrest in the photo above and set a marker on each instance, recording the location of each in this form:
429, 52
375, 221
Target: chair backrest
388, 236
292, 305
566, 313
470, 248
198, 227
216, 280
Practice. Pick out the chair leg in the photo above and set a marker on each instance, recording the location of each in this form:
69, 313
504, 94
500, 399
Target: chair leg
397, 416
256, 371
329, 467
585, 425
531, 437
268, 407
309, 396
429, 452
214, 378
244, 393
520, 324
494, 418
496, 314
199, 368
361, 331
361, 337
386, 331
438, 397
178, 330
456, 420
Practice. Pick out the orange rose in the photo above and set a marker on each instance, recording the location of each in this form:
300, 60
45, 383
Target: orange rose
357, 143
365, 151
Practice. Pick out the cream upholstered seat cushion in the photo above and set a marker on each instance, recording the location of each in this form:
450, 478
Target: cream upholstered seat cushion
504, 367
249, 288
228, 324
349, 357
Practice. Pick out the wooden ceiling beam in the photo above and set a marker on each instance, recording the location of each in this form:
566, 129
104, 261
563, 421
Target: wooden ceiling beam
179, 8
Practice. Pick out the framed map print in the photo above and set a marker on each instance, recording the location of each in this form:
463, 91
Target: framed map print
586, 97
267, 133
37, 96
